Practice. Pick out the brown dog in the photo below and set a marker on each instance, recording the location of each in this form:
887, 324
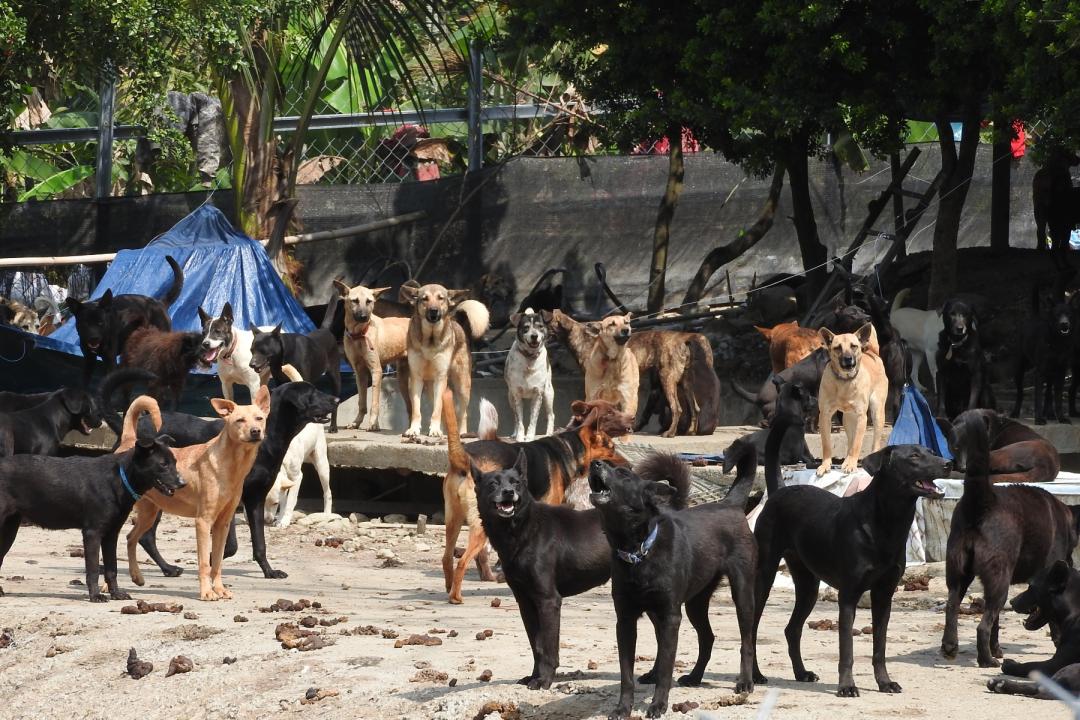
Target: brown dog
214, 474
611, 370
553, 463
668, 351
438, 351
853, 382
370, 343
789, 343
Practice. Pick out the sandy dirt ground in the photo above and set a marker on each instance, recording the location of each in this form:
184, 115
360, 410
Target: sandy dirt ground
67, 657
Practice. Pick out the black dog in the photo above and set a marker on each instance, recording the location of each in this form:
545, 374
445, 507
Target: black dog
183, 428
94, 495
854, 544
807, 373
962, 383
292, 407
548, 552
1053, 599
1002, 535
664, 556
105, 324
1048, 347
311, 355
895, 353
38, 430
790, 423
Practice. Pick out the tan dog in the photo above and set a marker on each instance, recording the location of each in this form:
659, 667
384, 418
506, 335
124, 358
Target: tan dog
438, 350
611, 370
789, 343
214, 473
668, 352
370, 343
853, 382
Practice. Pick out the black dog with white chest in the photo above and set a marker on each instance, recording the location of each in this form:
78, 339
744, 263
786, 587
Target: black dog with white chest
311, 354
94, 495
962, 381
854, 544
665, 555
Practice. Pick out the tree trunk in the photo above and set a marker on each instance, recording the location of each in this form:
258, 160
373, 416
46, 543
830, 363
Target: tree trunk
662, 231
814, 254
957, 164
999, 185
720, 256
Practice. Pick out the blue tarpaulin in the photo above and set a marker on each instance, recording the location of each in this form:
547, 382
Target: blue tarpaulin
220, 263
916, 425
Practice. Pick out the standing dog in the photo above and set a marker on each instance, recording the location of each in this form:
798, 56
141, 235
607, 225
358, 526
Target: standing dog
309, 445
961, 383
528, 373
105, 324
789, 343
1002, 535
40, 428
438, 351
230, 348
1048, 347
676, 357
854, 544
611, 370
311, 355
371, 342
170, 356
853, 383
664, 556
920, 329
214, 475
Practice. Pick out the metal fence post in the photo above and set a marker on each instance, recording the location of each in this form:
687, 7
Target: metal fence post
476, 89
103, 166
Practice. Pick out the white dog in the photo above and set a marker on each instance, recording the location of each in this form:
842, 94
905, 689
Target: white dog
920, 328
528, 373
309, 445
230, 348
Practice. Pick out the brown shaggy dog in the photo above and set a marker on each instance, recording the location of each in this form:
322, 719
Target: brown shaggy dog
789, 343
169, 355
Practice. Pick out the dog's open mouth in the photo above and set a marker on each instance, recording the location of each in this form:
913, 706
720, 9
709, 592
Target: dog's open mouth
167, 490
927, 488
600, 494
505, 509
321, 419
210, 356
93, 344
1034, 619
258, 367
86, 427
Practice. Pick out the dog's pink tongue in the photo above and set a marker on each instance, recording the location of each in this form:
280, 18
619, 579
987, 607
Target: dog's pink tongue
210, 355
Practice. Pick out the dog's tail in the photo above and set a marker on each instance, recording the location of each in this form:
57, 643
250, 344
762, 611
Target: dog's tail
459, 459
898, 299
141, 404
488, 429
178, 282
704, 345
667, 467
744, 454
476, 317
107, 391
744, 393
292, 373
977, 488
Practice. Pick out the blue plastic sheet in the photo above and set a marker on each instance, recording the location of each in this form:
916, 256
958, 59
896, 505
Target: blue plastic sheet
916, 425
220, 265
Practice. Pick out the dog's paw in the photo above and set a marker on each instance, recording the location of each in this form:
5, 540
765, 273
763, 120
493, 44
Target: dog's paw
996, 685
435, 433
538, 684
648, 678
332, 429
1010, 667
276, 575
823, 468
137, 577
690, 680
760, 679
120, 595
889, 687
455, 600
744, 687
622, 712
656, 709
806, 676
990, 662
949, 650
847, 691
98, 598
849, 466
171, 571
526, 680
355, 426
224, 593
997, 652
411, 433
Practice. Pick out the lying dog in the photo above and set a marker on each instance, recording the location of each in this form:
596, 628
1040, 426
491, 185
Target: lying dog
1052, 598
1002, 535
21, 316
665, 556
528, 373
553, 462
309, 445
1047, 347
962, 383
611, 370
311, 355
170, 356
105, 324
371, 342
855, 543
39, 429
673, 356
438, 351
789, 343
548, 552
854, 383
920, 328
94, 495
230, 347
214, 475
1018, 454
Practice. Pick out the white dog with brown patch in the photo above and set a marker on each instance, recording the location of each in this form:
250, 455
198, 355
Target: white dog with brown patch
611, 371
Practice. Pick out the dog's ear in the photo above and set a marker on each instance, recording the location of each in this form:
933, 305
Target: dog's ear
456, 297
224, 407
515, 319
227, 313
1057, 577
342, 289
863, 334
262, 398
145, 440
167, 440
409, 292
203, 317
72, 400
276, 330
75, 306
766, 332
628, 317
827, 336
592, 329
376, 292
105, 301
521, 466
547, 316
254, 329
661, 493
876, 462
